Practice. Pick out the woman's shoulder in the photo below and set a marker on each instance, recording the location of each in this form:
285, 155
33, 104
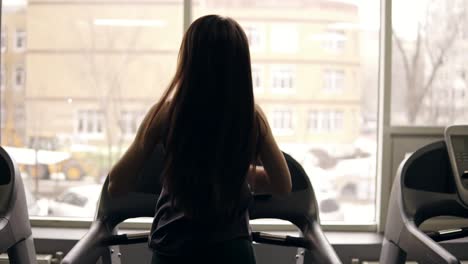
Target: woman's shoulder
159, 112
155, 124
261, 119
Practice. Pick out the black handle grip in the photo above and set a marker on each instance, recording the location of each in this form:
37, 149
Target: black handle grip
262, 197
449, 234
288, 241
125, 239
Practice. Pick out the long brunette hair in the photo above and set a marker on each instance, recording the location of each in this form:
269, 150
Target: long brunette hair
212, 130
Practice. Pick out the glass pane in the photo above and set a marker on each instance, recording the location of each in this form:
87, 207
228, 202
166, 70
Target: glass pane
77, 77
319, 62
429, 69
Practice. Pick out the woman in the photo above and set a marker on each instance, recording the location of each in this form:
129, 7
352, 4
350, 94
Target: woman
213, 135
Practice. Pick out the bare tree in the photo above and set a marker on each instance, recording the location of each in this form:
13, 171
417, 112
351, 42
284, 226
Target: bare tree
107, 56
423, 58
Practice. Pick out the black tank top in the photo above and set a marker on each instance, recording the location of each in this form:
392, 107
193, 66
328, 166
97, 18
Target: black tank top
174, 234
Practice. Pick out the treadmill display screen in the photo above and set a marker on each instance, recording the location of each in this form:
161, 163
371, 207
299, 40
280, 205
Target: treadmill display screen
460, 144
460, 149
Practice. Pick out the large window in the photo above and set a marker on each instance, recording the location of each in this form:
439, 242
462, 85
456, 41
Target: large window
320, 92
430, 73
81, 76
88, 72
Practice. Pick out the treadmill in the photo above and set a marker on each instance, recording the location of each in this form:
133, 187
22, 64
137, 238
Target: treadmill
432, 182
299, 207
15, 228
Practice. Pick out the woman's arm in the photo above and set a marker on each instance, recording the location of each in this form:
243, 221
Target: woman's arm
274, 177
123, 175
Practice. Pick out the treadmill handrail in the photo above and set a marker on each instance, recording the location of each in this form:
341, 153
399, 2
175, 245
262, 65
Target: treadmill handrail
15, 231
299, 207
402, 235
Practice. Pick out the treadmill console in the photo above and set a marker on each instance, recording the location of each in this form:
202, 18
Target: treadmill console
456, 139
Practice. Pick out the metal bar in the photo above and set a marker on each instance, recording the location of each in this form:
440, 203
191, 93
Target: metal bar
187, 14
384, 162
416, 131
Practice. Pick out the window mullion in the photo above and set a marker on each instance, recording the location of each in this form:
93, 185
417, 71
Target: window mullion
384, 152
187, 14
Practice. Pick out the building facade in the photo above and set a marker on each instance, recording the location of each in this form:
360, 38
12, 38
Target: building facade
13, 76
95, 66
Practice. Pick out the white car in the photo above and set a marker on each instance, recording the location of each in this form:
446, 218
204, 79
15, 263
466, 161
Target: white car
330, 211
78, 201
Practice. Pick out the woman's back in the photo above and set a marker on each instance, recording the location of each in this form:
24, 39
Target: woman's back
211, 138
213, 135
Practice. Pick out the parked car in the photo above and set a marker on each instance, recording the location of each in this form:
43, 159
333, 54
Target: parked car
330, 210
78, 201
354, 179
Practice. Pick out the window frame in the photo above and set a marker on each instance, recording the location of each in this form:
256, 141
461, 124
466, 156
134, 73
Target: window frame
383, 177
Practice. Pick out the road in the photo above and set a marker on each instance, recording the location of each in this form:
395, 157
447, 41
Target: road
52, 188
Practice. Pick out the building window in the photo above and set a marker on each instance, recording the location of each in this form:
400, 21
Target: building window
257, 77
284, 38
255, 36
90, 123
282, 120
130, 121
3, 40
2, 116
2, 79
20, 40
333, 81
19, 77
19, 114
283, 78
334, 41
325, 121
44, 143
